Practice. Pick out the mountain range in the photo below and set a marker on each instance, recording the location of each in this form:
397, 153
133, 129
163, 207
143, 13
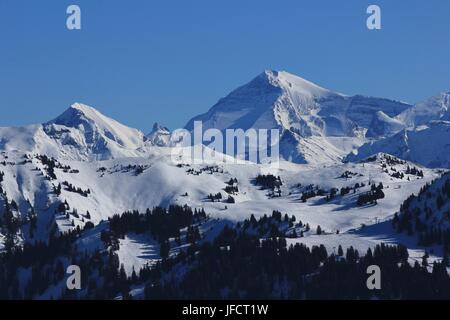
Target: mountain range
350, 167
316, 125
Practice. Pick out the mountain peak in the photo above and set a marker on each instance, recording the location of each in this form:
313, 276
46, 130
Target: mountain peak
86, 110
157, 127
78, 113
434, 108
159, 136
82, 107
292, 82
84, 127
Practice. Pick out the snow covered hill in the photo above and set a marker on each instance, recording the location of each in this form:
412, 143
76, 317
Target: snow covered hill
66, 194
318, 125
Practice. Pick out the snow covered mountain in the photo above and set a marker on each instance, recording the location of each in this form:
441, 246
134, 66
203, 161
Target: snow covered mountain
102, 169
159, 136
317, 125
428, 145
435, 108
424, 139
80, 133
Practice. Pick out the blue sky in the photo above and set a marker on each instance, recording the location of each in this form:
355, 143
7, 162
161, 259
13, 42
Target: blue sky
141, 61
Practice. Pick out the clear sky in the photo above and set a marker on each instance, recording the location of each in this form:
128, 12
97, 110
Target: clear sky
141, 61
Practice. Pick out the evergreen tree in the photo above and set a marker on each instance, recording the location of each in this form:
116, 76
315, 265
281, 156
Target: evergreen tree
340, 251
164, 249
425, 260
319, 230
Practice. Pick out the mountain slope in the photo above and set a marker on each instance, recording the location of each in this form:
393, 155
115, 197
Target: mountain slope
435, 108
114, 186
382, 125
80, 133
427, 216
428, 146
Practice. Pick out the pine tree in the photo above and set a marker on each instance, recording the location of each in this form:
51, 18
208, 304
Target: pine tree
340, 251
445, 256
134, 276
319, 230
253, 221
439, 201
164, 249
425, 260
14, 205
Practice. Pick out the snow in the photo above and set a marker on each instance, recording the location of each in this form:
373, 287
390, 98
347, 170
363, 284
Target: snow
427, 145
302, 87
362, 242
383, 125
80, 133
434, 108
92, 123
117, 188
125, 170
137, 251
